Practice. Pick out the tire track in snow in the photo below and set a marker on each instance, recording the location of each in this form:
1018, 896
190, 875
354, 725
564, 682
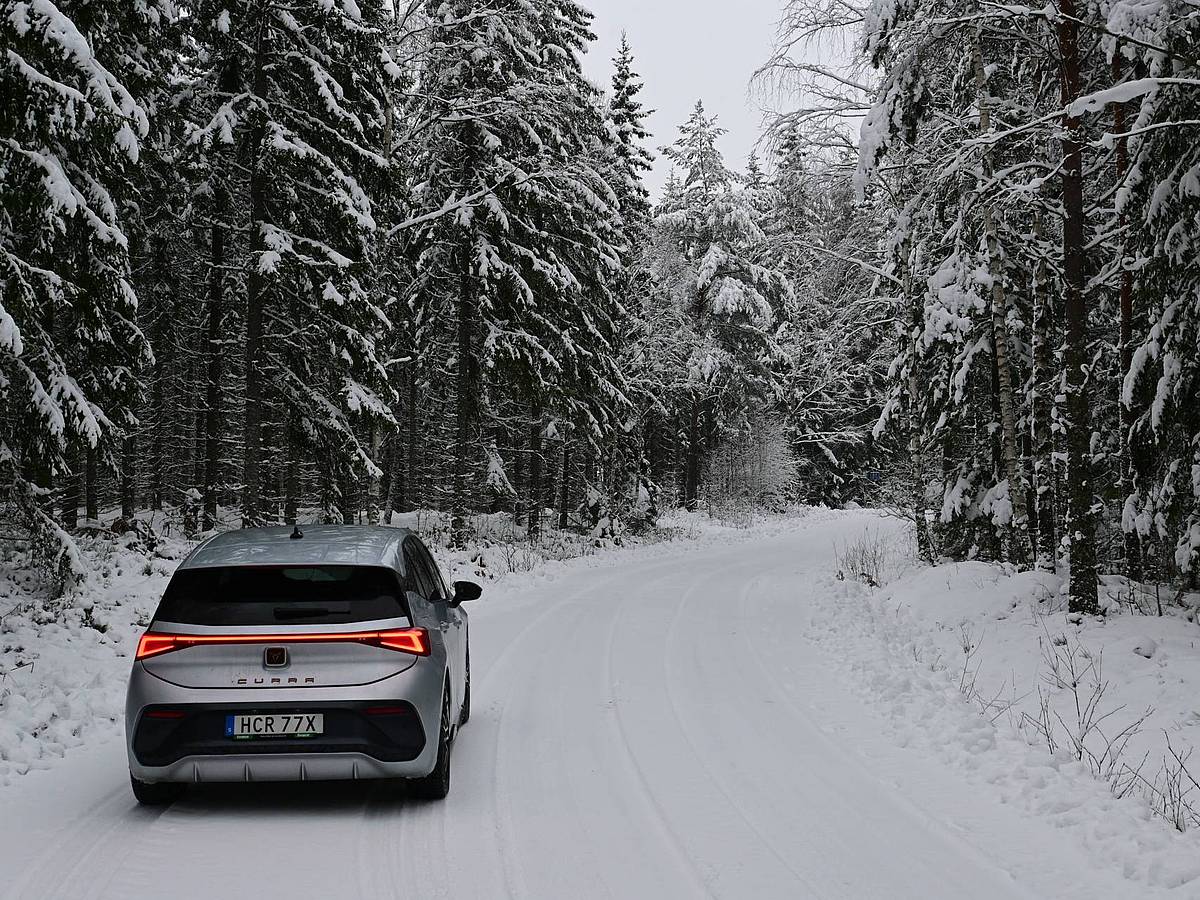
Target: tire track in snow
716, 778
399, 831
70, 859
524, 770
655, 810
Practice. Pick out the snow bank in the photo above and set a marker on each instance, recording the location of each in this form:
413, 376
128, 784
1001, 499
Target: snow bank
961, 658
1140, 671
63, 681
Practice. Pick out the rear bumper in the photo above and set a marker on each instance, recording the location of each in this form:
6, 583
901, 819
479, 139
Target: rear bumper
355, 744
279, 767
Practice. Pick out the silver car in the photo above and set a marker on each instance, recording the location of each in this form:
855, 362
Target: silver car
315, 653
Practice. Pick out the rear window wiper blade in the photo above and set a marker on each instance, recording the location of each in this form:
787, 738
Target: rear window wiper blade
301, 612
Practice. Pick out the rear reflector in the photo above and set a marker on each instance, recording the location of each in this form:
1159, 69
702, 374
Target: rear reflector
387, 710
165, 714
405, 640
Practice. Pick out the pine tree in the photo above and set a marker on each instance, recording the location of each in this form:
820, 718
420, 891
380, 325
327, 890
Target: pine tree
628, 118
521, 273
297, 99
732, 298
70, 348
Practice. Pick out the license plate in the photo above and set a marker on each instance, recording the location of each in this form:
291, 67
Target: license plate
247, 727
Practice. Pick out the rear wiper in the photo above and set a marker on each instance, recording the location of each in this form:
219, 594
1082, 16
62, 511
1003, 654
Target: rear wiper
300, 612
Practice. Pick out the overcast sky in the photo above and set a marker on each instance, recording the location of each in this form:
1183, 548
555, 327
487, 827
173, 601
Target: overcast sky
689, 50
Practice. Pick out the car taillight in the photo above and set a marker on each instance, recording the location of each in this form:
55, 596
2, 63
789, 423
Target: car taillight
404, 640
153, 644
165, 714
388, 710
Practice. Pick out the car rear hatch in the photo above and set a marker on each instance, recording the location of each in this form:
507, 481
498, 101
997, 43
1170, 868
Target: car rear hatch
282, 626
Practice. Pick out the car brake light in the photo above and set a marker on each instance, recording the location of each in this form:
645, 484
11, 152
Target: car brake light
404, 640
153, 644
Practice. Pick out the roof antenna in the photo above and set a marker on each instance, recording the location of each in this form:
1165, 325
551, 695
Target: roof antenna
297, 533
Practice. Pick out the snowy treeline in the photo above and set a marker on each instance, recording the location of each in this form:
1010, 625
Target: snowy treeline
1036, 174
269, 260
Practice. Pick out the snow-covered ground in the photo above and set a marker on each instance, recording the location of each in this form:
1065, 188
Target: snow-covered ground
719, 716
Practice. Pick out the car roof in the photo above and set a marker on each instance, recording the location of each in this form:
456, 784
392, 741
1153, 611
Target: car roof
353, 545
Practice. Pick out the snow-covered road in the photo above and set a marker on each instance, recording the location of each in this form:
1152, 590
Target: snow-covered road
653, 727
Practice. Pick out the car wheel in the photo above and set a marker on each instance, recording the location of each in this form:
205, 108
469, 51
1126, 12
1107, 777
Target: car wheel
155, 793
436, 785
465, 713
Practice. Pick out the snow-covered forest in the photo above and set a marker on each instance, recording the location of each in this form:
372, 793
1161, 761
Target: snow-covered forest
332, 259
1034, 175
335, 260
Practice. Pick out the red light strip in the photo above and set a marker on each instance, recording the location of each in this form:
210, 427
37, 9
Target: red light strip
405, 640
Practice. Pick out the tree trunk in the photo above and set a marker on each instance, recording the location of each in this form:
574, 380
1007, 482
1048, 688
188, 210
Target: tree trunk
1130, 486
256, 290
72, 491
392, 475
1010, 456
291, 478
128, 478
1081, 525
410, 498
564, 488
691, 475
1041, 405
373, 486
534, 529
91, 487
347, 493
466, 401
160, 422
915, 445
212, 380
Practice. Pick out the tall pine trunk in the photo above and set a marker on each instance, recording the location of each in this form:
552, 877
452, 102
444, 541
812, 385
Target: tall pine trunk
1081, 524
465, 400
564, 488
291, 476
411, 483
256, 290
1010, 455
534, 529
128, 478
373, 499
915, 444
91, 498
212, 379
1041, 408
72, 490
1131, 446
691, 475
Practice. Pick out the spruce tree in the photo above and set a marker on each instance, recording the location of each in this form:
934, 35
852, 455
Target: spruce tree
71, 130
628, 118
520, 274
732, 298
297, 102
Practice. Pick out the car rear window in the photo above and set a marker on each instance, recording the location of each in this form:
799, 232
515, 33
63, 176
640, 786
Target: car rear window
282, 595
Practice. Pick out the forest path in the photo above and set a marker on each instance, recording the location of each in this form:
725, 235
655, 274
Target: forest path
655, 728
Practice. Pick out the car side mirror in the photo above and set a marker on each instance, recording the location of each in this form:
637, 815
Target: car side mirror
464, 591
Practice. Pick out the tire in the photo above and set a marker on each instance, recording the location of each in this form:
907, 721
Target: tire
159, 793
436, 785
465, 713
